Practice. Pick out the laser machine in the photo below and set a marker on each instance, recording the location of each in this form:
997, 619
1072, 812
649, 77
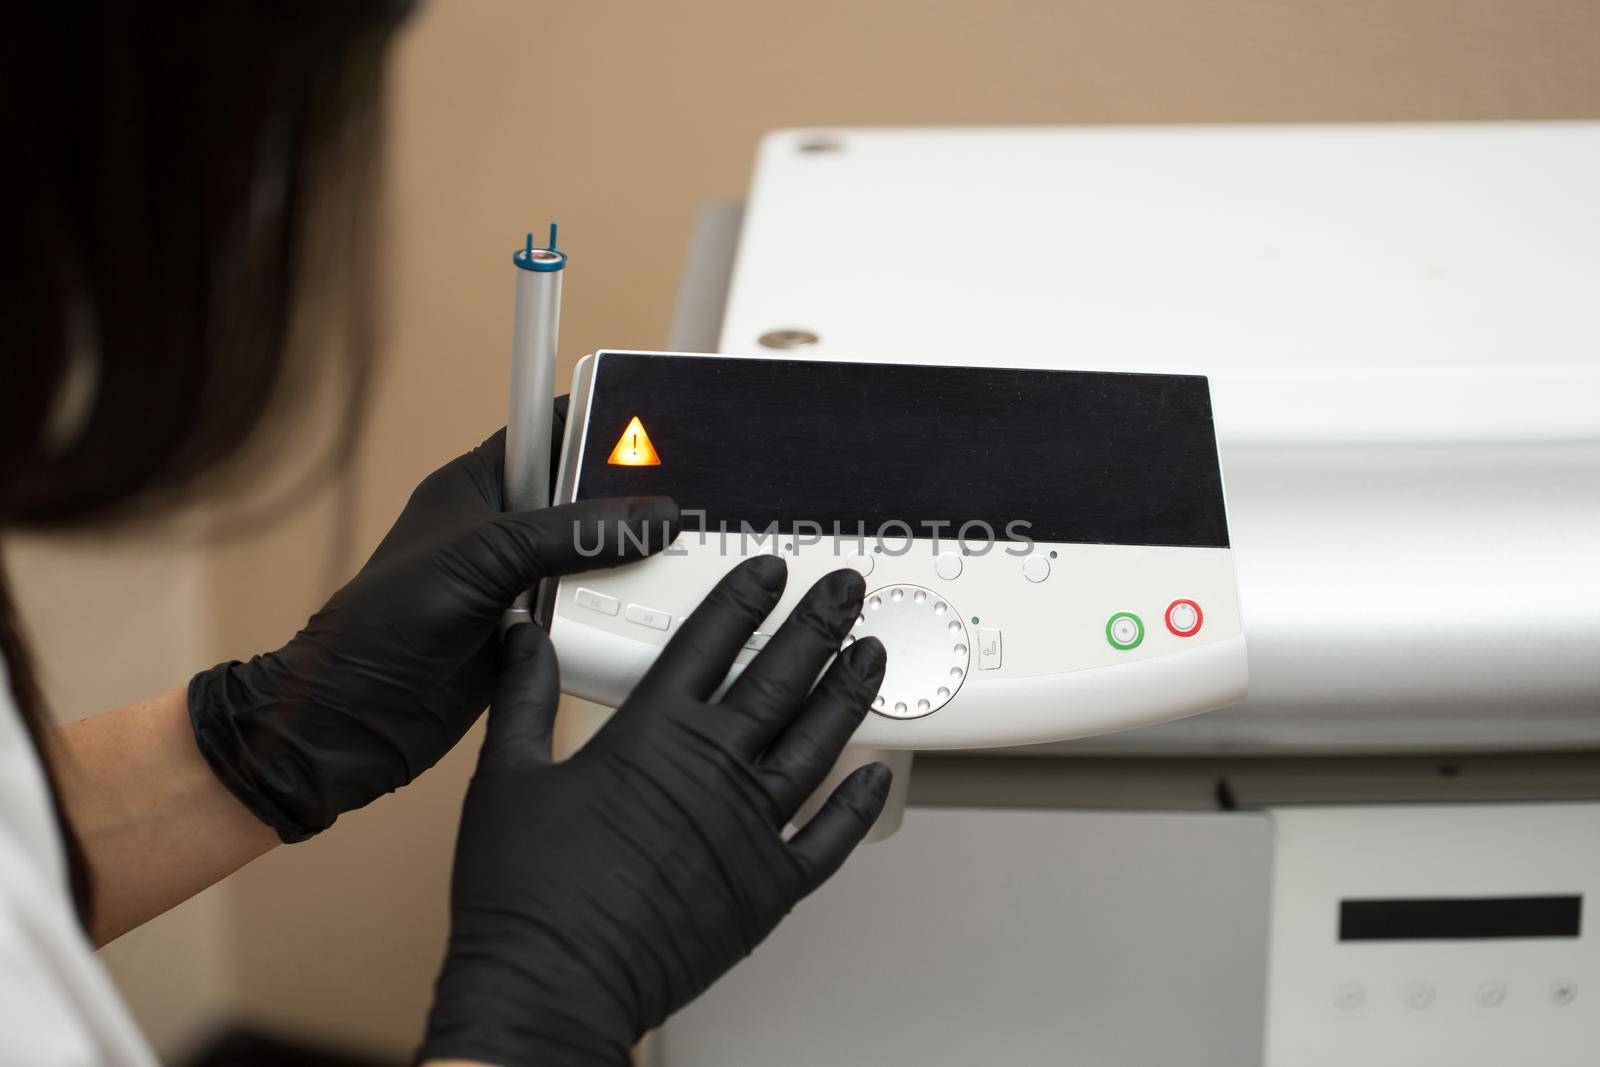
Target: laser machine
1389, 853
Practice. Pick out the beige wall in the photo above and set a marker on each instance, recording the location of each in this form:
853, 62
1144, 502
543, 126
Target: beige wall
620, 119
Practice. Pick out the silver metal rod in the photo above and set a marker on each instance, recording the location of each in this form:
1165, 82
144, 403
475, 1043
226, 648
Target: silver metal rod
533, 376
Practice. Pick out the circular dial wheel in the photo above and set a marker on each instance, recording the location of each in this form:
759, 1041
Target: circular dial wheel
927, 646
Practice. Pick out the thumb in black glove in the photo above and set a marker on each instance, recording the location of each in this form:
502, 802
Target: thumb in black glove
592, 898
385, 679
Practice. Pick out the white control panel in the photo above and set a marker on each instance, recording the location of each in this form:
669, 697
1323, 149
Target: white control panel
989, 642
1435, 936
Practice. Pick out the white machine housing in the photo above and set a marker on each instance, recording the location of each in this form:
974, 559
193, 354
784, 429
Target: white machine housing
1473, 947
1397, 323
988, 645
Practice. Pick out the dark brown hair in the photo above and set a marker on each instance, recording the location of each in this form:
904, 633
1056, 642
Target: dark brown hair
162, 160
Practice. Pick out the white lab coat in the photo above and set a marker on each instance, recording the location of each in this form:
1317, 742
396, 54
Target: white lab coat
58, 1007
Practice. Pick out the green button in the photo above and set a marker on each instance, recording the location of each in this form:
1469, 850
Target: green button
1124, 630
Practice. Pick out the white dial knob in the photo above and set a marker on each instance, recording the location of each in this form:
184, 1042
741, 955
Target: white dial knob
927, 645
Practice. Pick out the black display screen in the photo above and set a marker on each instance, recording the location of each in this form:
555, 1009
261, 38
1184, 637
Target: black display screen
1460, 918
1083, 457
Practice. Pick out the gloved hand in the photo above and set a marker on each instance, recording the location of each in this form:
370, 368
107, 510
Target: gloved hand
592, 898
385, 679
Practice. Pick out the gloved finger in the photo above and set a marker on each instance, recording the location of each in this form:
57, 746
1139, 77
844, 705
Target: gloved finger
492, 452
698, 657
522, 715
476, 479
466, 488
800, 758
468, 484
776, 682
507, 553
822, 844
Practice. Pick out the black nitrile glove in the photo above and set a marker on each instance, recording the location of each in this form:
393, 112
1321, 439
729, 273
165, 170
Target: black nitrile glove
385, 679
594, 897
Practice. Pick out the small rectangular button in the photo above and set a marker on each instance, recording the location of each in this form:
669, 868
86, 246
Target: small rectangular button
588, 598
988, 649
757, 642
656, 620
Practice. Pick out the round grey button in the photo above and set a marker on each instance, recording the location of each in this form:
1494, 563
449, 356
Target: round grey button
1419, 995
1492, 993
947, 566
1036, 568
1563, 991
860, 562
1349, 996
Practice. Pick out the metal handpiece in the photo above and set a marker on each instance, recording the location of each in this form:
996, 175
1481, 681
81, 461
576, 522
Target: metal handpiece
533, 374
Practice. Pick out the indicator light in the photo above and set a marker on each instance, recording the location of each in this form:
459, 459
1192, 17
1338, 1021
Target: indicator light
634, 448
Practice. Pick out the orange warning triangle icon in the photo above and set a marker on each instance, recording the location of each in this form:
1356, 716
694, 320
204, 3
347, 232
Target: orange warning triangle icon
634, 448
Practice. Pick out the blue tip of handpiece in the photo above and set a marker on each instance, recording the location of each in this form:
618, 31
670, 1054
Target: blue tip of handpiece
540, 259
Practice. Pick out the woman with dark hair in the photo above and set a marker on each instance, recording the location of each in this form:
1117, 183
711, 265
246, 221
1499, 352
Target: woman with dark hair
177, 175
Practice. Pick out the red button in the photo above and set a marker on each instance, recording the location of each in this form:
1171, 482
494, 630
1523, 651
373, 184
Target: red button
1184, 618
